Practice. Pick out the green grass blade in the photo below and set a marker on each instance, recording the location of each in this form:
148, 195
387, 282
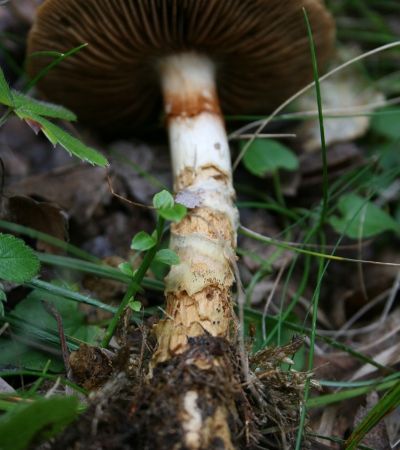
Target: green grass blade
386, 404
59, 57
320, 119
329, 399
40, 374
336, 440
33, 332
70, 295
100, 270
34, 234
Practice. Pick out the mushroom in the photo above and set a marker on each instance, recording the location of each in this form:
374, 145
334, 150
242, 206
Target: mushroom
250, 54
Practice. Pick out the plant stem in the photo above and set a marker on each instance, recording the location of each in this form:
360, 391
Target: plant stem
134, 285
34, 234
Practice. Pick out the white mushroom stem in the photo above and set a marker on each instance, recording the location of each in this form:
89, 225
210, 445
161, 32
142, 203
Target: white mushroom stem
198, 289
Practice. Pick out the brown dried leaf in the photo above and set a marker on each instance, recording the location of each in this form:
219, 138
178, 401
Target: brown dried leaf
79, 189
41, 216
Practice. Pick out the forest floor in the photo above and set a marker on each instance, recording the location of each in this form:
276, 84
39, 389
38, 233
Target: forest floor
345, 310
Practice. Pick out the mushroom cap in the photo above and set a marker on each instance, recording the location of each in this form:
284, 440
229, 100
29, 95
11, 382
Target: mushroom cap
260, 49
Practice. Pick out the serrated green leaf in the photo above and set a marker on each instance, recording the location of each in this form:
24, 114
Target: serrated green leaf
18, 262
50, 136
30, 105
6, 97
37, 421
167, 256
174, 214
143, 241
163, 200
56, 135
267, 156
361, 218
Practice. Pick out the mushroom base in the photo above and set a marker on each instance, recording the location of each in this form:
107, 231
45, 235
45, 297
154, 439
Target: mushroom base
185, 407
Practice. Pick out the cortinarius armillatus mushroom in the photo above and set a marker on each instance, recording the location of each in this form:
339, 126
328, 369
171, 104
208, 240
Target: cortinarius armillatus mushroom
250, 54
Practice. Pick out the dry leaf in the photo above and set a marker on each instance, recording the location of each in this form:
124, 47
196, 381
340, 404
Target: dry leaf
41, 216
78, 189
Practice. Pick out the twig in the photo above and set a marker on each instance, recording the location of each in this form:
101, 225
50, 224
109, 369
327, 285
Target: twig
51, 309
268, 302
120, 197
264, 136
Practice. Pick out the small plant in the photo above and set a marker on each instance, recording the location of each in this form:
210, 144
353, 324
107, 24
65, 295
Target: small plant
167, 209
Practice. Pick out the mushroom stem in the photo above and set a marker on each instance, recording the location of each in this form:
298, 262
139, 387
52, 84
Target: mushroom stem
199, 310
198, 289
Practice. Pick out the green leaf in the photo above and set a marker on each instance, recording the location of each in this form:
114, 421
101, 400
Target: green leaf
6, 97
389, 157
37, 421
174, 214
126, 268
135, 305
361, 218
167, 208
387, 124
18, 262
30, 105
56, 135
74, 320
143, 241
267, 156
163, 200
167, 256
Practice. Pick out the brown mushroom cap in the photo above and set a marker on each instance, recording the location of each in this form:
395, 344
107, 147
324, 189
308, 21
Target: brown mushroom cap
260, 48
